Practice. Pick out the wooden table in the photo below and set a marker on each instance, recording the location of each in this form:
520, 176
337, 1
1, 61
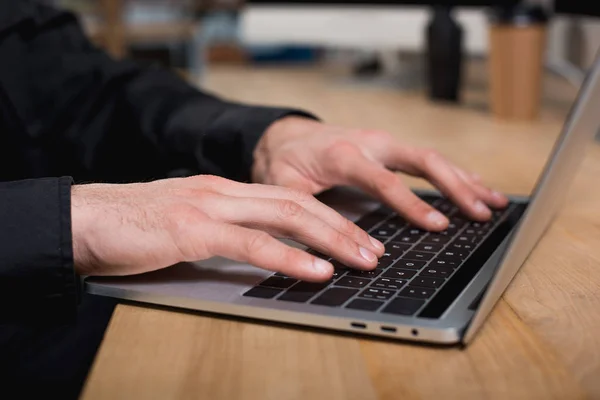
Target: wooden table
541, 342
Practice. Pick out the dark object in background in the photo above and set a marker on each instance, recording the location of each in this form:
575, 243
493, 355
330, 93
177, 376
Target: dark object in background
371, 67
588, 8
444, 55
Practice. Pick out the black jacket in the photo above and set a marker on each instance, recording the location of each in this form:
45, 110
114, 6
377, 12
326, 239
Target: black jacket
69, 113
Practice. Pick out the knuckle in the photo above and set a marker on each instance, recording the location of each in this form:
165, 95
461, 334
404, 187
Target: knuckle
197, 193
340, 148
350, 227
287, 209
211, 180
181, 224
182, 217
337, 238
257, 242
300, 196
385, 182
430, 157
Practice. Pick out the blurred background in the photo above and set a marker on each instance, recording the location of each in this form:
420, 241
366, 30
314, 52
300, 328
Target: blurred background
514, 60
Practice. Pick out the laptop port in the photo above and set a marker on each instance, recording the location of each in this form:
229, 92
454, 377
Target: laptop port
415, 332
358, 325
388, 329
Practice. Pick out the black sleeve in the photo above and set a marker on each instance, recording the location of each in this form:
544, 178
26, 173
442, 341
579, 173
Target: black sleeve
67, 109
95, 118
36, 261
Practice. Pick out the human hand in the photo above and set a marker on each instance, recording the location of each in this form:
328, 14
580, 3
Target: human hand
307, 155
136, 228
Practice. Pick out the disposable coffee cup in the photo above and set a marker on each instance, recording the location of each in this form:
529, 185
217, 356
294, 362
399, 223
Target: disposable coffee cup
516, 61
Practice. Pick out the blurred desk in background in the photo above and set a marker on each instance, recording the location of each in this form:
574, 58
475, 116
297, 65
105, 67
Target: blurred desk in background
541, 342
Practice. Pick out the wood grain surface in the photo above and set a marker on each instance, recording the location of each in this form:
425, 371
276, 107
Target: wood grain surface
542, 341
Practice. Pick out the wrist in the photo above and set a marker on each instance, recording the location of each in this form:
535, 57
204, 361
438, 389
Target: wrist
81, 221
275, 137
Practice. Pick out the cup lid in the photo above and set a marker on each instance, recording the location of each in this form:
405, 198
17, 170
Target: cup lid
522, 14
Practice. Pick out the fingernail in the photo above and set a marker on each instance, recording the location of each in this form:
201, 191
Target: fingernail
322, 267
481, 208
437, 219
367, 255
376, 243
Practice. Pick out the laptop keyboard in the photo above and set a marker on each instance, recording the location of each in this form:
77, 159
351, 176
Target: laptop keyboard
416, 265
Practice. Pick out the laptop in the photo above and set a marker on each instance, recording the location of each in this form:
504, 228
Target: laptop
428, 287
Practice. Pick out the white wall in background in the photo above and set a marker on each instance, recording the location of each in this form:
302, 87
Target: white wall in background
373, 28
386, 28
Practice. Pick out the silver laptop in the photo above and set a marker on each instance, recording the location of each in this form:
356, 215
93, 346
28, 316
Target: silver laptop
428, 287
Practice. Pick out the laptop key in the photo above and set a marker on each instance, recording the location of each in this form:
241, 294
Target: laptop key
338, 272
406, 239
412, 231
454, 254
464, 239
389, 283
459, 221
418, 255
436, 238
417, 292
409, 264
497, 214
365, 305
395, 247
383, 263
465, 247
378, 294
445, 262
423, 281
475, 232
399, 273
348, 281
437, 272
482, 226
450, 232
383, 232
302, 292
364, 274
445, 207
262, 292
403, 306
334, 297
313, 287
429, 247
278, 282
370, 220
387, 256
394, 224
